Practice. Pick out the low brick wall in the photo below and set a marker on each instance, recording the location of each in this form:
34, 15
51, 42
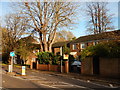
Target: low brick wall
110, 67
43, 67
55, 68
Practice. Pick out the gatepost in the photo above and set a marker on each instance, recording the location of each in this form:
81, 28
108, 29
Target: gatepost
31, 65
37, 66
65, 56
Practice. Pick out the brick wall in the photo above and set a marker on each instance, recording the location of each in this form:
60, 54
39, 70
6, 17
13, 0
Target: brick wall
110, 67
87, 66
43, 67
55, 68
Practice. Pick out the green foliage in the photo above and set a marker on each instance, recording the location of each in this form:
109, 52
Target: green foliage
47, 58
24, 50
108, 49
66, 50
89, 51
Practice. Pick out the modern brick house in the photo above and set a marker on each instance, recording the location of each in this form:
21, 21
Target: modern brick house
77, 45
82, 42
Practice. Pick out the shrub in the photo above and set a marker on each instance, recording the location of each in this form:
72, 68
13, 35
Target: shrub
66, 50
47, 58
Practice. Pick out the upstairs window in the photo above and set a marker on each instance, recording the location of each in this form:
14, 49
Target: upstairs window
74, 46
95, 43
82, 45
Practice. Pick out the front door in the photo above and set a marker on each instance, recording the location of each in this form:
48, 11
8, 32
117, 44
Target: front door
34, 65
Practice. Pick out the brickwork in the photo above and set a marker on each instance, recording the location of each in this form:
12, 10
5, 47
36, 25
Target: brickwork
55, 68
110, 67
87, 66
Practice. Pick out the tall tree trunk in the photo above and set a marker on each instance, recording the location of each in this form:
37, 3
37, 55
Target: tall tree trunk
45, 46
50, 47
41, 47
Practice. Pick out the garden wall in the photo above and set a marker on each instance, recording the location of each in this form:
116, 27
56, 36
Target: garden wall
110, 67
45, 67
87, 66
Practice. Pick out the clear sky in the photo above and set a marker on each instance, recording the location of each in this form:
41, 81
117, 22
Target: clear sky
80, 29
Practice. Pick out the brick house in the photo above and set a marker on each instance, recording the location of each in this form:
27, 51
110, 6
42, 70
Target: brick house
58, 45
81, 43
77, 45
108, 67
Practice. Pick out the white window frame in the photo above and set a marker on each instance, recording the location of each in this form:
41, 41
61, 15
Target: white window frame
74, 46
81, 45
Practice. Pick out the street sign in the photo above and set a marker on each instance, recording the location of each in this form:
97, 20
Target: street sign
12, 54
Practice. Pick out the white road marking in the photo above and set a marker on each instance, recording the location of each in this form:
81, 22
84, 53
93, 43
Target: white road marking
42, 81
88, 81
95, 83
73, 85
51, 86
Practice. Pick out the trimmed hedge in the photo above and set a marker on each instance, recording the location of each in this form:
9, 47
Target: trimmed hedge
48, 58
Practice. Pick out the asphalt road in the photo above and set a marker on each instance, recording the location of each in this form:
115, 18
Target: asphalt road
36, 79
11, 82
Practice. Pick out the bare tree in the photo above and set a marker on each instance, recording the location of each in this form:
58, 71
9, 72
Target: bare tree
100, 20
15, 28
47, 17
64, 35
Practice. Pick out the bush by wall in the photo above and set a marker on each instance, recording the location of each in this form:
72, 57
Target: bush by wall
48, 58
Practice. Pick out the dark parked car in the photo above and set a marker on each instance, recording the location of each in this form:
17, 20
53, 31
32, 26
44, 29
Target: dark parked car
76, 63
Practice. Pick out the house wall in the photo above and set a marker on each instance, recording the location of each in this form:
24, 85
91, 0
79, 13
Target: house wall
78, 47
56, 50
110, 67
89, 43
30, 57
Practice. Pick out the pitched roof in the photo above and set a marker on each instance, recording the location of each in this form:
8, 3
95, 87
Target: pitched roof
59, 44
102, 36
29, 39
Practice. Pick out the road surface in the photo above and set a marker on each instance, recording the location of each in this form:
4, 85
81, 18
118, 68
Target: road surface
36, 79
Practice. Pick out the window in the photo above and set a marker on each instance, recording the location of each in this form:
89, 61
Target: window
95, 43
74, 46
82, 45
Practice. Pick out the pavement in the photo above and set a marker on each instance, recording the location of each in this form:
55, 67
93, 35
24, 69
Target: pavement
58, 80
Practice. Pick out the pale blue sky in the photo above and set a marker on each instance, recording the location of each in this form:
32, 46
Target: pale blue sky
80, 29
